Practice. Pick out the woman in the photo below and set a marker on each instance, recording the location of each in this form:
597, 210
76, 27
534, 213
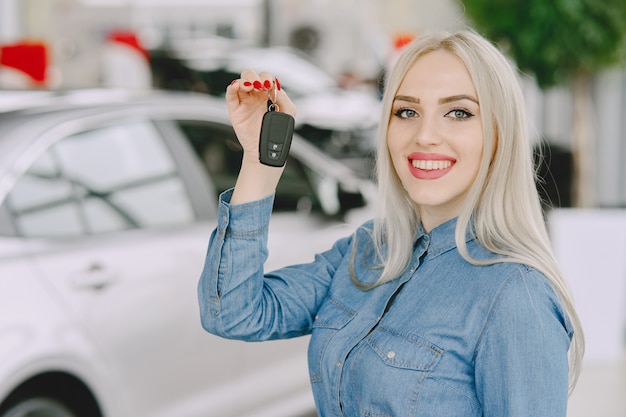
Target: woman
449, 303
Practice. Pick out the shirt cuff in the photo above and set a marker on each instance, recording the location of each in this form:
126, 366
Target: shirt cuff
243, 220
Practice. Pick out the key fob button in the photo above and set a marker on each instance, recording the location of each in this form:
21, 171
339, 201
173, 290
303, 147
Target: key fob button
275, 146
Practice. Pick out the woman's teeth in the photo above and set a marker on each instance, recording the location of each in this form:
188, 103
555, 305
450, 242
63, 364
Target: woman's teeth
431, 165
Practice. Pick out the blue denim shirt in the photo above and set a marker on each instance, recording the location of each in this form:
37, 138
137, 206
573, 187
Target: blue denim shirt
445, 339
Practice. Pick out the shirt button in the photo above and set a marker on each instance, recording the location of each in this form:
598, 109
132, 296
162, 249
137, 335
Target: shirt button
338, 365
391, 354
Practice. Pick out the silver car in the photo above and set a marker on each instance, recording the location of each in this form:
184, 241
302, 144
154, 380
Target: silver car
107, 201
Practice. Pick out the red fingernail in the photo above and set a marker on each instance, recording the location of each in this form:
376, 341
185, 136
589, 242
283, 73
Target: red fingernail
277, 83
267, 84
257, 85
233, 82
247, 84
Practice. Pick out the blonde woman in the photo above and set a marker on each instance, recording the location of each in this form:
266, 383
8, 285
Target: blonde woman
448, 303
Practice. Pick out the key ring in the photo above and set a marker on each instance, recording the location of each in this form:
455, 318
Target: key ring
273, 106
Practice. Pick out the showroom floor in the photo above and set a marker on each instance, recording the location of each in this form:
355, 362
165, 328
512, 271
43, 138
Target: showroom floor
601, 390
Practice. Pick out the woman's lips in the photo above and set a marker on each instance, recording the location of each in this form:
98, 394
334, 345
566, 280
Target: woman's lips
427, 166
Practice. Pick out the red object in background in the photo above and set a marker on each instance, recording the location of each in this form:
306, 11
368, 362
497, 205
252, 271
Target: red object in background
30, 58
129, 39
402, 40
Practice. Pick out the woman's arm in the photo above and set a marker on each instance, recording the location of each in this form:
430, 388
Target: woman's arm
237, 299
247, 103
522, 356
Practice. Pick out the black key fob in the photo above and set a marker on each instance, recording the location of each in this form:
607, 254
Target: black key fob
276, 134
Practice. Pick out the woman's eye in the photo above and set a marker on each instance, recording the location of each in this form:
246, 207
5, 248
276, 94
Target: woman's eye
459, 114
405, 113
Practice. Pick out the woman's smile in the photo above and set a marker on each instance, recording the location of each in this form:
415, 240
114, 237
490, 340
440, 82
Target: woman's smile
430, 166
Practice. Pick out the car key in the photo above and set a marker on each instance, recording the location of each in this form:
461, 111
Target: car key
276, 134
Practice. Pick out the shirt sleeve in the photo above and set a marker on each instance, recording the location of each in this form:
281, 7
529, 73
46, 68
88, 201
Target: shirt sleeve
522, 357
237, 299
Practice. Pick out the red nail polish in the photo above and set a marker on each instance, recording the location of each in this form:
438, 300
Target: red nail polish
247, 84
233, 82
277, 83
267, 84
257, 85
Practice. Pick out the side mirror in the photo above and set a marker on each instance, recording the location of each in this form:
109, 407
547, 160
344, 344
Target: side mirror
337, 198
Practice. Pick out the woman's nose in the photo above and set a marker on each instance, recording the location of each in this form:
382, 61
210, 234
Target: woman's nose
427, 134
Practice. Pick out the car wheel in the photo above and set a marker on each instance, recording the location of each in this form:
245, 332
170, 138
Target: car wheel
38, 407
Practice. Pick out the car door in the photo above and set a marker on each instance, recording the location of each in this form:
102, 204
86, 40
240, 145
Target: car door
116, 222
116, 235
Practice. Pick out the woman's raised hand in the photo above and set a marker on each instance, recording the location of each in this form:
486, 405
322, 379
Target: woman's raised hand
247, 103
247, 98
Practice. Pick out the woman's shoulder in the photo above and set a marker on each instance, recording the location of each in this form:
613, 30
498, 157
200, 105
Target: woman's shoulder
514, 277
520, 277
358, 238
362, 234
524, 290
506, 272
366, 226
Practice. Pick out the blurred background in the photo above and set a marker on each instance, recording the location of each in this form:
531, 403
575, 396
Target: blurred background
332, 57
196, 45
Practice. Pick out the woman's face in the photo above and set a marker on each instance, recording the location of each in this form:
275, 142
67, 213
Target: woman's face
435, 135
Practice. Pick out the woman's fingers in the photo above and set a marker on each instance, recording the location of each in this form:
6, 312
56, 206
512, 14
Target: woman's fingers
267, 82
247, 101
251, 80
232, 94
255, 89
242, 92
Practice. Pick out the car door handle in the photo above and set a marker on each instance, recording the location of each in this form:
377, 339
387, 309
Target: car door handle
95, 277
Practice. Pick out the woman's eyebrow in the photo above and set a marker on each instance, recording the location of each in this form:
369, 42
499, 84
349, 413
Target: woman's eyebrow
457, 98
407, 98
443, 100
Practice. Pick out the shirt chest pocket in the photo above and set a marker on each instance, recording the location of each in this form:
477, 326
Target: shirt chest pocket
331, 317
404, 351
399, 363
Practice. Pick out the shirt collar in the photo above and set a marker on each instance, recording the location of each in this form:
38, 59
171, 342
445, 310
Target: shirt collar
439, 240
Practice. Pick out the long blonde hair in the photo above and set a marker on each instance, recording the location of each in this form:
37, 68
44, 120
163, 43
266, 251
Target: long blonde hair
502, 205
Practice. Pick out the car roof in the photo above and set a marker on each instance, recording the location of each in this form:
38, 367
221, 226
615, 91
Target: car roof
52, 108
53, 100
33, 117
18, 99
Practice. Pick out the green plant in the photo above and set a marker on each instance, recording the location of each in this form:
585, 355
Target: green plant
560, 42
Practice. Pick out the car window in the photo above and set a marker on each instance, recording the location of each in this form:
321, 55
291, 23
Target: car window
107, 179
221, 154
